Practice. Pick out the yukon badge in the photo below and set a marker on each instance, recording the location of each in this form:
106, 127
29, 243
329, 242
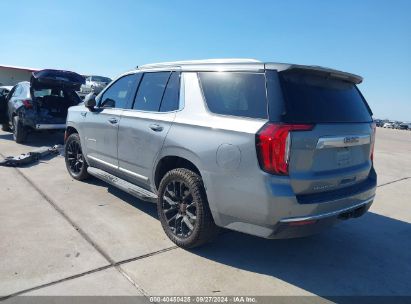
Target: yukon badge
351, 139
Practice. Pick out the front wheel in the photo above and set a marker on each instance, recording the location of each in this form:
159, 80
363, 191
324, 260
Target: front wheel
183, 209
75, 162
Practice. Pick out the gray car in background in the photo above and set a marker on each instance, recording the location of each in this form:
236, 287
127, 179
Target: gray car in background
94, 84
269, 149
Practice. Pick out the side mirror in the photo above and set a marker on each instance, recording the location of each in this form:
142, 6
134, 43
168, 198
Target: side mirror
90, 101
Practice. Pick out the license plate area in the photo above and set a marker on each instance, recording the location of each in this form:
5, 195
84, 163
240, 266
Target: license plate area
343, 157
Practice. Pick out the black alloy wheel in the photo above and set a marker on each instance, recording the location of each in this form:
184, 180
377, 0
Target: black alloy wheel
179, 208
183, 209
75, 161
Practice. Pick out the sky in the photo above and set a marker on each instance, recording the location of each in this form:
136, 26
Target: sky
371, 38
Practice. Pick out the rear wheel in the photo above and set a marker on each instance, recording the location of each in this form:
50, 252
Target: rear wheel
19, 131
75, 162
183, 209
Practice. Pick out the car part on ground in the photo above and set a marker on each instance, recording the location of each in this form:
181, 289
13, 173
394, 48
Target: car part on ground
31, 157
276, 150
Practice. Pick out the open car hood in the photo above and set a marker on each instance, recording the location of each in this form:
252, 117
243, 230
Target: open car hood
56, 78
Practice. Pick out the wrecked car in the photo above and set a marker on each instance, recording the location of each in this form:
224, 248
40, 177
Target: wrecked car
42, 103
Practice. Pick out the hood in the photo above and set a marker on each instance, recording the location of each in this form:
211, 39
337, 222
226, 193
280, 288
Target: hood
56, 78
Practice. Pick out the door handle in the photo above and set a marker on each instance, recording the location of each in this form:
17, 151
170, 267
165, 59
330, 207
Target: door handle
84, 114
156, 127
113, 120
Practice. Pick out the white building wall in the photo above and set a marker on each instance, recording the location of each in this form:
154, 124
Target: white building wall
10, 76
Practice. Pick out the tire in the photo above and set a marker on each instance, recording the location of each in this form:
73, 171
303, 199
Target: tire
19, 131
182, 202
76, 164
5, 126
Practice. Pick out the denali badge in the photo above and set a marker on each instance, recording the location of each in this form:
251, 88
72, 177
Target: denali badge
323, 187
351, 139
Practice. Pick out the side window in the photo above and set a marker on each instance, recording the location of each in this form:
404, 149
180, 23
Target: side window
17, 91
235, 93
120, 93
171, 96
151, 91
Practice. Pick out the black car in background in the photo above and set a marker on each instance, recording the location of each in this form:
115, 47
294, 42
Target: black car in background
378, 122
42, 103
404, 126
4, 91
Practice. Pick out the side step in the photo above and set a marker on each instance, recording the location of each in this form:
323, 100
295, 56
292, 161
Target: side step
130, 188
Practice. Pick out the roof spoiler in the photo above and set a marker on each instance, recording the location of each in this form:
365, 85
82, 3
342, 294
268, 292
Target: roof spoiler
328, 72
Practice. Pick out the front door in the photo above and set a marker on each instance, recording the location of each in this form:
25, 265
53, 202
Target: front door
101, 125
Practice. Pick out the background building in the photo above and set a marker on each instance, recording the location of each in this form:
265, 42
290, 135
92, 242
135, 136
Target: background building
11, 75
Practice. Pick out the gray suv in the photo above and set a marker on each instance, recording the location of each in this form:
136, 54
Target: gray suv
273, 150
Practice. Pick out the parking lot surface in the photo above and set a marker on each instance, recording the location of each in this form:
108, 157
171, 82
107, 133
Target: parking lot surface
64, 237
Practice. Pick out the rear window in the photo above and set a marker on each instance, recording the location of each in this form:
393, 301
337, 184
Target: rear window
235, 93
48, 92
314, 98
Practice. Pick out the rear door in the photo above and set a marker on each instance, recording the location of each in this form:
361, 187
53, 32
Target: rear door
19, 93
56, 78
144, 127
101, 125
336, 153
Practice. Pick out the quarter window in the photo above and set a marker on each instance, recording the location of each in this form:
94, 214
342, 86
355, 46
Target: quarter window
120, 94
235, 93
151, 91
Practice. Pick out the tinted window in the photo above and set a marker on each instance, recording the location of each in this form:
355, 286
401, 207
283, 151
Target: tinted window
233, 93
120, 93
100, 79
314, 98
150, 91
18, 91
171, 96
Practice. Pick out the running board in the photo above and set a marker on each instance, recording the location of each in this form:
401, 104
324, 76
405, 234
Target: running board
117, 182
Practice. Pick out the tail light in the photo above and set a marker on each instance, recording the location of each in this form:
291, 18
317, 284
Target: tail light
273, 144
27, 104
374, 130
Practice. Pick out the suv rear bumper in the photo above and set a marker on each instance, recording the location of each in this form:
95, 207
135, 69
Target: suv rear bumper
307, 225
269, 208
328, 214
